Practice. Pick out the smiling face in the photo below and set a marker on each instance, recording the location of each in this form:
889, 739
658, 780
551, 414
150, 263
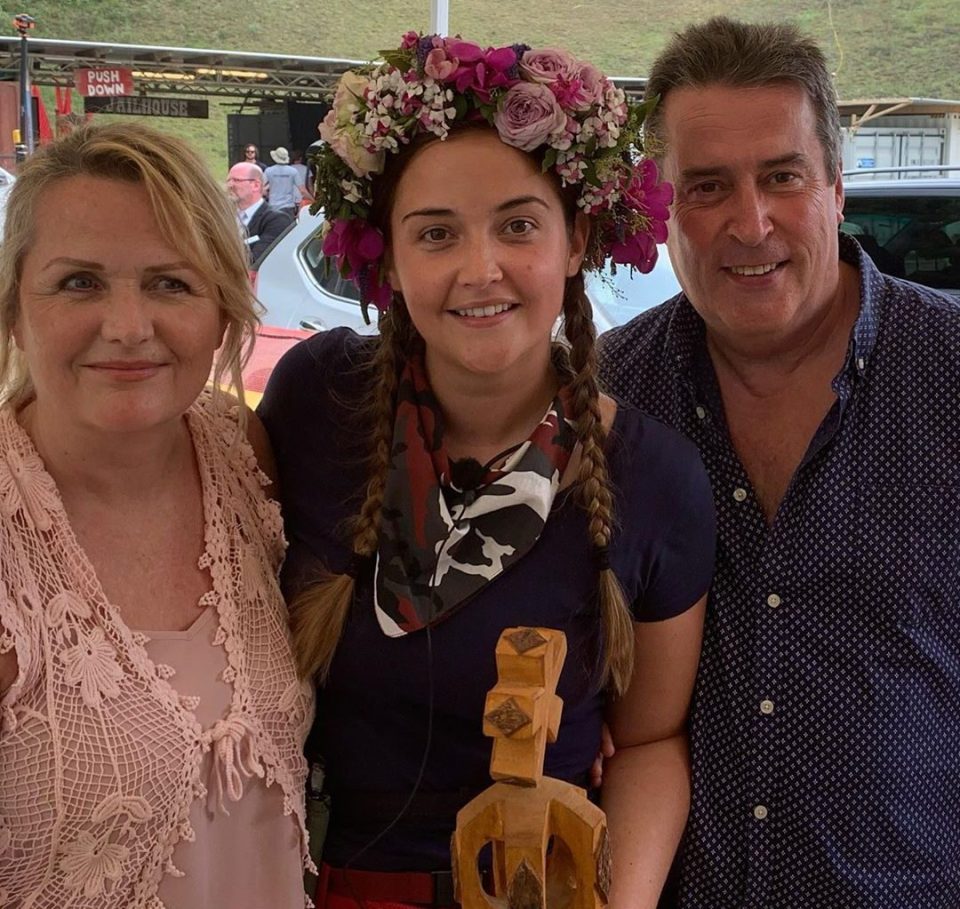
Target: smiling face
753, 237
481, 249
118, 332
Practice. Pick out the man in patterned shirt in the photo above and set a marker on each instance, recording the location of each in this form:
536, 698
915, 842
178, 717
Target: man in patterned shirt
825, 399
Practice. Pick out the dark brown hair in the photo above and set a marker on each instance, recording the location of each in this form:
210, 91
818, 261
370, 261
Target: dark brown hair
319, 613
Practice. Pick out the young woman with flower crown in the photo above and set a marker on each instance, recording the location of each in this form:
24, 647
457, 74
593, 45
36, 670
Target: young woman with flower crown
462, 473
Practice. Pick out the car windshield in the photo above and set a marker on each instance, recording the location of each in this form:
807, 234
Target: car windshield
912, 237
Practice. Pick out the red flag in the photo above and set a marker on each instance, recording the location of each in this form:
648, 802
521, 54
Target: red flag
43, 121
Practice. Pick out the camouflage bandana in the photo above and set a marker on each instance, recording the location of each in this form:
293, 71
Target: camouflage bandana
448, 528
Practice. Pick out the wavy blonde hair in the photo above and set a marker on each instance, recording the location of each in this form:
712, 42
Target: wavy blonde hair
191, 208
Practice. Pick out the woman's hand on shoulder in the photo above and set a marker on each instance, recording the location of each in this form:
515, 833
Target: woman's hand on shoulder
262, 449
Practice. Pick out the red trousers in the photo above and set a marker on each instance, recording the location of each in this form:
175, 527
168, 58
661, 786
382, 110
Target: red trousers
333, 892
336, 901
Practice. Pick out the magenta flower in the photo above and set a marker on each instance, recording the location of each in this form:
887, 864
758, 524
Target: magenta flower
410, 39
645, 194
568, 92
358, 248
637, 250
481, 71
354, 244
650, 198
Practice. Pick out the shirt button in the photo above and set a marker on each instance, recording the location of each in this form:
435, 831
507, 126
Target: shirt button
773, 601
766, 707
861, 364
760, 812
739, 494
701, 413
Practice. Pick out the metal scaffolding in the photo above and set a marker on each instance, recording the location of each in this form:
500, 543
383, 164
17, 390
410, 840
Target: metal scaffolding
181, 70
197, 71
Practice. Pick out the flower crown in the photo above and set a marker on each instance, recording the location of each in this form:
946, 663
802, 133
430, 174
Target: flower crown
543, 101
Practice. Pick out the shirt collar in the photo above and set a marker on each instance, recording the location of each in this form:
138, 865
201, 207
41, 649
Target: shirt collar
864, 335
249, 212
686, 331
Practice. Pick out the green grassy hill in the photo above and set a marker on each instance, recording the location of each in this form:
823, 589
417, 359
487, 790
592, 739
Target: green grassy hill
890, 47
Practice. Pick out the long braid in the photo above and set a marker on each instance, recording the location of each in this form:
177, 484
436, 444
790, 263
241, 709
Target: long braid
593, 487
319, 612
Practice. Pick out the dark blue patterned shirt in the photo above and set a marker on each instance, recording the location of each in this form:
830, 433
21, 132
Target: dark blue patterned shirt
826, 726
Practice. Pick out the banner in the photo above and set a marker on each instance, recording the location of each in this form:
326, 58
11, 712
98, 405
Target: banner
142, 106
101, 83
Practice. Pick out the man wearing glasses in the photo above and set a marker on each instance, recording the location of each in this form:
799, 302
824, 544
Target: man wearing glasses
260, 223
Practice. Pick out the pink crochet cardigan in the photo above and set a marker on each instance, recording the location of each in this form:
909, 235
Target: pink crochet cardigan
100, 758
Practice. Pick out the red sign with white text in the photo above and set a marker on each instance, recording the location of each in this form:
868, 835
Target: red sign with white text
102, 83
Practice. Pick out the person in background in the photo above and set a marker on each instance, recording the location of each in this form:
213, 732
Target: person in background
462, 473
151, 718
286, 184
252, 156
260, 224
823, 397
297, 164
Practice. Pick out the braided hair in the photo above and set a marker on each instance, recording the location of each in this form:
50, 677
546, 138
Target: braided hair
320, 611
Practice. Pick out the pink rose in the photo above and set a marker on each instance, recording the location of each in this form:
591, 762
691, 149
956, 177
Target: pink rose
439, 65
410, 40
592, 82
528, 115
577, 85
547, 64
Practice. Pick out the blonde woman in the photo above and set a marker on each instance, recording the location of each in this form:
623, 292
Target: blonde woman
462, 473
152, 719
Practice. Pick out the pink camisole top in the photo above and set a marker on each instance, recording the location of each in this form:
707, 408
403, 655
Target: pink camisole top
225, 866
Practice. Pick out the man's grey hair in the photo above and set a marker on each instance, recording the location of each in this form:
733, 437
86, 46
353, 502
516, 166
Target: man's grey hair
734, 54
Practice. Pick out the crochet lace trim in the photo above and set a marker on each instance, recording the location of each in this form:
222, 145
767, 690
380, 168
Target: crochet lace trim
102, 756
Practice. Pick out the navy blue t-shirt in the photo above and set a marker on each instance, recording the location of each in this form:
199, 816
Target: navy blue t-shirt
374, 712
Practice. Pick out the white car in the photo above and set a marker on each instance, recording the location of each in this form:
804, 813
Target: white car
302, 290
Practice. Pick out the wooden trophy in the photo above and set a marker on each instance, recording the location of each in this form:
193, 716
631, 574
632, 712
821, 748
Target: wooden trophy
549, 842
